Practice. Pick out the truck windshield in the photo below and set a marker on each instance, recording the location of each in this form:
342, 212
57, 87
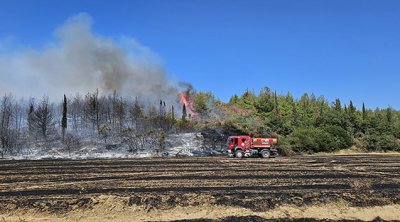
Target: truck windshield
232, 141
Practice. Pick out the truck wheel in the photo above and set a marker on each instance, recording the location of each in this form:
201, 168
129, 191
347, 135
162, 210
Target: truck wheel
239, 154
265, 153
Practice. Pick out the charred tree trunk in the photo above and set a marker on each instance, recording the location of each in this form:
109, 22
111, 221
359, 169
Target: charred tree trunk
64, 118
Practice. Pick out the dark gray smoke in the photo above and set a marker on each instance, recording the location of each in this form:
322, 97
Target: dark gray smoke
81, 61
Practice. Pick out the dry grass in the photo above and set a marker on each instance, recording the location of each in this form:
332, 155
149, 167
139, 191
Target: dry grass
113, 210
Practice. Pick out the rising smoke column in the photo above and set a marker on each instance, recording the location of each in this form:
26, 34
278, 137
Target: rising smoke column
82, 61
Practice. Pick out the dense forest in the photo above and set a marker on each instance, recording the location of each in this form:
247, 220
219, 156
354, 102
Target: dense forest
303, 125
313, 124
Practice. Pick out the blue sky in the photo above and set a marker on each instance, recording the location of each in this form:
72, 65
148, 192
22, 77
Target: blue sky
347, 49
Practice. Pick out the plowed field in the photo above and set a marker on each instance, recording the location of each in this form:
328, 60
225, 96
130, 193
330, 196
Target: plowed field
335, 187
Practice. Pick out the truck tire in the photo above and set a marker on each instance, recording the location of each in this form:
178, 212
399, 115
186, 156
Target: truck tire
265, 153
239, 154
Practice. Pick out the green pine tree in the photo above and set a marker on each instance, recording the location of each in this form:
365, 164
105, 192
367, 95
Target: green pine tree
364, 114
337, 105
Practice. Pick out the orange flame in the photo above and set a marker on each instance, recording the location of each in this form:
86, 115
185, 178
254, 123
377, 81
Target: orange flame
186, 100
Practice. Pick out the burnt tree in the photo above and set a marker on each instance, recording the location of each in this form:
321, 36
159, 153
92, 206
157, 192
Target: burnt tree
184, 114
5, 123
64, 118
43, 120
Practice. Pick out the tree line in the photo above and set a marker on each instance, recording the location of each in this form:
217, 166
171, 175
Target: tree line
312, 124
107, 118
306, 124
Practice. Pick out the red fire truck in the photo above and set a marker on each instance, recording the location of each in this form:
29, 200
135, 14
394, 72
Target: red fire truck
245, 146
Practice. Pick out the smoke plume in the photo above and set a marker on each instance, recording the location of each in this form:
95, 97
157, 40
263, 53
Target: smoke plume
82, 61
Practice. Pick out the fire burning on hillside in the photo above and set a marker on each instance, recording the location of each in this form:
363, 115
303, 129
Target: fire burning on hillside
187, 100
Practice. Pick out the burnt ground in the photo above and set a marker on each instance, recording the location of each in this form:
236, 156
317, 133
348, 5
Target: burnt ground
164, 183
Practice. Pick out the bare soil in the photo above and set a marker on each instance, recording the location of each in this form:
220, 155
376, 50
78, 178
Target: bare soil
358, 187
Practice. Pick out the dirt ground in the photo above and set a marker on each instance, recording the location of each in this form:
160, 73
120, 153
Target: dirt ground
358, 187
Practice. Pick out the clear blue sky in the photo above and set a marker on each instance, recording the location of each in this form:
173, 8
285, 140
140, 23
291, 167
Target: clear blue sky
347, 49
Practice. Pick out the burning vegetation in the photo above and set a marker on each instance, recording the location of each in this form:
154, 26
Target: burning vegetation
187, 103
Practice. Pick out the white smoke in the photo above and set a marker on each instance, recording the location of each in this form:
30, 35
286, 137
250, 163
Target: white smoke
81, 61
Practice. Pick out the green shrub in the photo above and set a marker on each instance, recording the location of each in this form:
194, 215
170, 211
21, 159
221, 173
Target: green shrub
303, 140
341, 139
378, 142
284, 147
325, 139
